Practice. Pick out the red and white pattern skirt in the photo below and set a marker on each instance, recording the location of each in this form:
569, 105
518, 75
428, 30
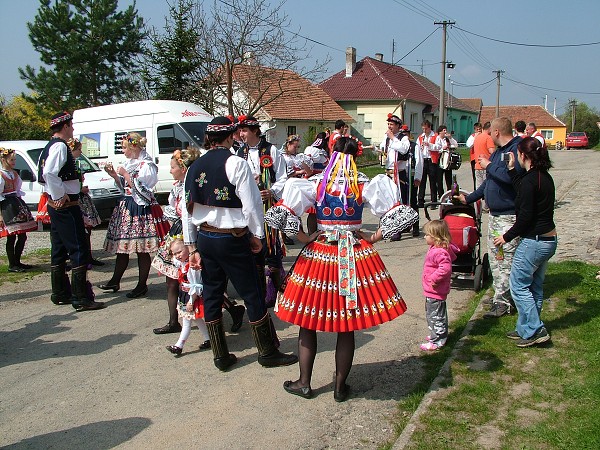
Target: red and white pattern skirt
311, 298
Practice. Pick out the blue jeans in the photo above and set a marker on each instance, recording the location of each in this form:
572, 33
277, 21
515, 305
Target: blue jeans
527, 283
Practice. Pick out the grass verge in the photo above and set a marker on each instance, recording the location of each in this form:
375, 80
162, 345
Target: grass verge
39, 258
499, 396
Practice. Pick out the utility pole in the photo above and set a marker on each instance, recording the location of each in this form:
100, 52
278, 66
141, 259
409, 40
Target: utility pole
393, 49
498, 72
422, 64
445, 24
573, 110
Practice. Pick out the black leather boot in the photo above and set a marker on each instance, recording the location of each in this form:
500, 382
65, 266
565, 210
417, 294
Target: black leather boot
268, 355
83, 295
61, 288
222, 358
236, 312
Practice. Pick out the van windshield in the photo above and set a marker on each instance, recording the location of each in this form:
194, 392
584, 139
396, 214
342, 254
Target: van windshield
84, 163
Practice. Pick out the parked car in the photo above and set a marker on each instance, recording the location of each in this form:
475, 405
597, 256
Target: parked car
576, 139
103, 191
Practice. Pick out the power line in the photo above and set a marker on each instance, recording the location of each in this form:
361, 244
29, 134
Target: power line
550, 89
528, 45
473, 85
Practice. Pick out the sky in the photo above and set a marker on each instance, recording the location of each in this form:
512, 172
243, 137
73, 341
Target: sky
533, 74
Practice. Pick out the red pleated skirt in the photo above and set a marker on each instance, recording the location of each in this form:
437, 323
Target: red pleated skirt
311, 298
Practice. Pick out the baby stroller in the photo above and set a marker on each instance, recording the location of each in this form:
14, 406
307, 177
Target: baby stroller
464, 222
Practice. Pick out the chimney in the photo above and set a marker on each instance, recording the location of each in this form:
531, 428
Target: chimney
350, 61
379, 56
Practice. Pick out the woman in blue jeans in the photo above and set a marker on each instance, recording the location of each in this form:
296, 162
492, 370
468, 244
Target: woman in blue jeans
535, 225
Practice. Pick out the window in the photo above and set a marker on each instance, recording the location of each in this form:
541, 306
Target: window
548, 134
414, 126
291, 130
23, 169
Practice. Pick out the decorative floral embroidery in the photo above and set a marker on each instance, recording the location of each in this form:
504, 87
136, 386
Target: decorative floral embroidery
222, 194
201, 180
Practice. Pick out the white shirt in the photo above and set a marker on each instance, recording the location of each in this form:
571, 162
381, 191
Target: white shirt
250, 215
399, 144
471, 141
424, 146
55, 186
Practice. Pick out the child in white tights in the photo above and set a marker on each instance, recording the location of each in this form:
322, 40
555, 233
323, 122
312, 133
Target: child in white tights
190, 304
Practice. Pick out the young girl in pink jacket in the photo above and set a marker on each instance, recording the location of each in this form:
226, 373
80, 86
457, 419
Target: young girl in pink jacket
437, 271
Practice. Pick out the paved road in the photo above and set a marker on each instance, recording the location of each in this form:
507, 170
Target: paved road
102, 379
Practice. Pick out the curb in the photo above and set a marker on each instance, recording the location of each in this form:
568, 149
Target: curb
404, 439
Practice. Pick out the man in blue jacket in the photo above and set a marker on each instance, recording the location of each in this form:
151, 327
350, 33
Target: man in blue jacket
499, 194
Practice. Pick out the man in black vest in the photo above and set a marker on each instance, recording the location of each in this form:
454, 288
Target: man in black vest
57, 171
223, 228
415, 167
269, 170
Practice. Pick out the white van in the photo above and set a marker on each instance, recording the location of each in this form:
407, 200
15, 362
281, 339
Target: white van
166, 124
103, 191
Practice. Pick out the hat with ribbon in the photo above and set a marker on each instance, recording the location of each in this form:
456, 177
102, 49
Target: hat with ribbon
221, 124
395, 119
60, 118
248, 121
405, 129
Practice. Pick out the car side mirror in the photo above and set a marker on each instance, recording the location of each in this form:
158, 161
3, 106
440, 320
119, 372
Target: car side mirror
26, 175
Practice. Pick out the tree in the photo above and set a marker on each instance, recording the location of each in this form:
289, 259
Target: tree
247, 47
173, 60
21, 120
88, 48
586, 119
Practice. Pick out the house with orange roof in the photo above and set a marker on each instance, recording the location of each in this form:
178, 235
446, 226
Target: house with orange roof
285, 103
370, 89
551, 127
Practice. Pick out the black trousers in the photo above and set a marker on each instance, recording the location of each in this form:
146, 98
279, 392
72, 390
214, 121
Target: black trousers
429, 171
67, 237
444, 175
227, 257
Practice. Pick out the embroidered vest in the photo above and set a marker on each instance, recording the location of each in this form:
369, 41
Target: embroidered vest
264, 148
10, 185
67, 172
207, 182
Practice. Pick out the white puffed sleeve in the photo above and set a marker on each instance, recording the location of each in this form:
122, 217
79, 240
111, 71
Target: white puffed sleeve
382, 196
299, 194
195, 282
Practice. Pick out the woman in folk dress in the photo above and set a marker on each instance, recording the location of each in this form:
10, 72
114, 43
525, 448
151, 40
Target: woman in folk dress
338, 282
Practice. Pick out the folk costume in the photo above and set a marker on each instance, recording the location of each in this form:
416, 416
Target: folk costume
339, 282
16, 218
163, 261
57, 169
317, 151
269, 167
223, 218
190, 293
137, 224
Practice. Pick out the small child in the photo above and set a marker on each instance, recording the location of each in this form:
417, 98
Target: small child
190, 305
437, 271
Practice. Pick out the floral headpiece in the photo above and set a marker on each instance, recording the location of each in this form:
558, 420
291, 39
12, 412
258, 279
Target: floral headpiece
177, 157
132, 140
292, 138
5, 152
62, 118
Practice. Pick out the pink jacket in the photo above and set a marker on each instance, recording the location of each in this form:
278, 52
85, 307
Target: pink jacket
437, 270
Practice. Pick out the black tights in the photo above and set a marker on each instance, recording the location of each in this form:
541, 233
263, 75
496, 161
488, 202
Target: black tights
15, 244
121, 265
307, 351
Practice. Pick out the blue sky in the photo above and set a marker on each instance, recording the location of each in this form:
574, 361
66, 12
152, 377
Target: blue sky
371, 27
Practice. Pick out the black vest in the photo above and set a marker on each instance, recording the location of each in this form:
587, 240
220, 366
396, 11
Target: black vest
206, 181
67, 172
264, 148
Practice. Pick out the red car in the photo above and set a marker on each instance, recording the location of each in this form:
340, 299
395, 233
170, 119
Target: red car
577, 139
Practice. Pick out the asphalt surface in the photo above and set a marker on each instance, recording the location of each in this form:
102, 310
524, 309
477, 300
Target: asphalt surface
102, 379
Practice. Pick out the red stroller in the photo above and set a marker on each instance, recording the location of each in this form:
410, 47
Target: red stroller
464, 222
